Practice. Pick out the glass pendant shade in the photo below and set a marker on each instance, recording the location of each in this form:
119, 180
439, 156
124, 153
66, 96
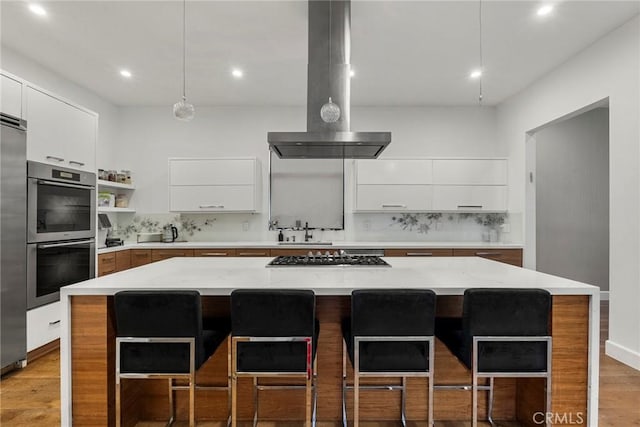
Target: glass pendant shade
183, 110
330, 112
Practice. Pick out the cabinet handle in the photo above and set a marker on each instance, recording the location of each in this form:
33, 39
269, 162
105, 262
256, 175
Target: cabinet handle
488, 254
470, 206
212, 206
60, 159
55, 322
75, 162
213, 254
252, 254
419, 254
386, 205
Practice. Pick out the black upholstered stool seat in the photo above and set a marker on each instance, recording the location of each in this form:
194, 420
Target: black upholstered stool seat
160, 334
390, 333
509, 329
274, 333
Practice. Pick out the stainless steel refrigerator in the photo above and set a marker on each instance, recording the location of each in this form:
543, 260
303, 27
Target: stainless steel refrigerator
13, 242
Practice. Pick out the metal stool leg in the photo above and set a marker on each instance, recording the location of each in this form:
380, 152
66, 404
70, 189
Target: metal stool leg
315, 392
344, 384
118, 408
172, 403
490, 403
403, 405
255, 401
192, 401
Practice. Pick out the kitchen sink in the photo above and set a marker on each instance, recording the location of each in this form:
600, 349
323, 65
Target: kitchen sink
306, 243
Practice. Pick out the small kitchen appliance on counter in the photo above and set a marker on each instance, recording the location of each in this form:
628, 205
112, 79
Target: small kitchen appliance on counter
169, 233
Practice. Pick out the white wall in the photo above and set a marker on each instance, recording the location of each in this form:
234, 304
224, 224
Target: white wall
609, 68
35, 73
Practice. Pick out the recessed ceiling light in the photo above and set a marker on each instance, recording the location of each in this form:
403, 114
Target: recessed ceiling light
125, 73
545, 10
352, 73
37, 9
475, 74
237, 73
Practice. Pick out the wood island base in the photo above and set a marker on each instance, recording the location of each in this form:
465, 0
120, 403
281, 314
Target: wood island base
92, 340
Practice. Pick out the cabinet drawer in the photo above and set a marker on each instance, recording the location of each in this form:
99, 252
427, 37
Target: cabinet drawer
508, 256
212, 198
140, 257
212, 171
393, 198
106, 263
394, 171
465, 198
123, 260
43, 325
253, 252
160, 254
214, 252
470, 172
421, 252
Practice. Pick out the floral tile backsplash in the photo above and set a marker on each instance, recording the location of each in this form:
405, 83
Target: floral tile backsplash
436, 227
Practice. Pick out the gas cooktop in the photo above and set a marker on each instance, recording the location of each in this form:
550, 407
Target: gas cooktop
328, 260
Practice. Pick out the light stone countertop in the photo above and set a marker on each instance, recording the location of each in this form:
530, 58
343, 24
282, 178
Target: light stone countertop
219, 276
314, 245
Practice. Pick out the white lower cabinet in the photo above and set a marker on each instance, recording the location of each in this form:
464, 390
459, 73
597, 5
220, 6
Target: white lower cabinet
393, 198
43, 325
212, 198
470, 198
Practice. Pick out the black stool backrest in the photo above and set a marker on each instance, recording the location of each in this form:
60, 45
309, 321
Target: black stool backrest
272, 313
507, 312
159, 314
397, 312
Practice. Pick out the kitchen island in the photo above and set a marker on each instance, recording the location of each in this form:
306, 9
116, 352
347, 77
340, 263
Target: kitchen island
87, 341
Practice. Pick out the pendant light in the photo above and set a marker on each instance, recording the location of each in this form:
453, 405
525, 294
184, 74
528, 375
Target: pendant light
330, 112
183, 110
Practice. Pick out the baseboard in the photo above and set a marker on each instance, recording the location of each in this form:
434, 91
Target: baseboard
622, 354
41, 351
604, 295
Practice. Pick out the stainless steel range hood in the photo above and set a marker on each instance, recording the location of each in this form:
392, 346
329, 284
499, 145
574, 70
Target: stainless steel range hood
329, 78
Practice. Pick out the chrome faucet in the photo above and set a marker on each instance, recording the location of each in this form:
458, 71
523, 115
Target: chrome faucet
307, 236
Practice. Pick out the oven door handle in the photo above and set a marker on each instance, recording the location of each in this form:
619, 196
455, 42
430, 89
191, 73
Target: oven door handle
64, 184
58, 245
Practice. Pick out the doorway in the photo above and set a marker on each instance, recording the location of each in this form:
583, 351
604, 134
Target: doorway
568, 197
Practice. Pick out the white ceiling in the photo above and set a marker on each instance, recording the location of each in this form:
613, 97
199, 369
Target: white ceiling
403, 52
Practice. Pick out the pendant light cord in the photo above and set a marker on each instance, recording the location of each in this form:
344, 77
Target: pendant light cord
184, 49
480, 51
330, 36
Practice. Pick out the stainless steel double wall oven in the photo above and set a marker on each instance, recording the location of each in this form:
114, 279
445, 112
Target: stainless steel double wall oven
61, 225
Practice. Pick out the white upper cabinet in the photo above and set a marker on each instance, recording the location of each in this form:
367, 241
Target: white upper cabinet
411, 172
214, 185
469, 185
11, 96
59, 133
470, 198
422, 185
470, 172
393, 198
393, 185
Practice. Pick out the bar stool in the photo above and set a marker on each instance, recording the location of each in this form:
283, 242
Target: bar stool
390, 334
502, 333
159, 335
274, 334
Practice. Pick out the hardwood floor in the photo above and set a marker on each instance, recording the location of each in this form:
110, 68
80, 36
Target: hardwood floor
31, 396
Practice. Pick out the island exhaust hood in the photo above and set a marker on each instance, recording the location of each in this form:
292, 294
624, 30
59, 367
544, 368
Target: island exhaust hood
328, 75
